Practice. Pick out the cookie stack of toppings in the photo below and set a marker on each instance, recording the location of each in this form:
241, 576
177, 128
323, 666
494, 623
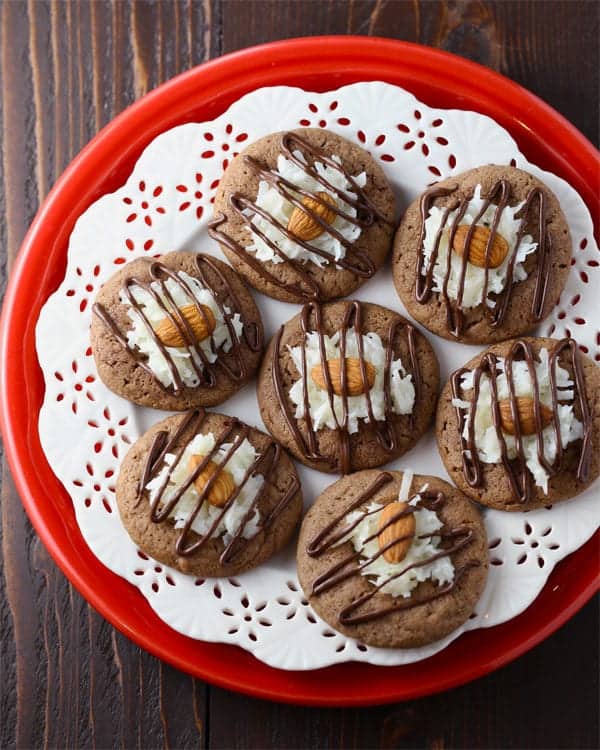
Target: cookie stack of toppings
371, 409
304, 215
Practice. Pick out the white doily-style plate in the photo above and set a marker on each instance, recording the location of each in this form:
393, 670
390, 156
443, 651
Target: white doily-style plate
165, 205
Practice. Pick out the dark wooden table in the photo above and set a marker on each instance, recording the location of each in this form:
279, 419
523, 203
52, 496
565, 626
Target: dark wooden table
67, 678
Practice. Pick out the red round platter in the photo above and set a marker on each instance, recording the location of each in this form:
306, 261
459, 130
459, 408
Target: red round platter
318, 63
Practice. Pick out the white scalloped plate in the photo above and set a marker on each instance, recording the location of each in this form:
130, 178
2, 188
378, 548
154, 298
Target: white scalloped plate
165, 205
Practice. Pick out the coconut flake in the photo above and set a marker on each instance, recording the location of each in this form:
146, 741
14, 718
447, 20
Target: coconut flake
407, 478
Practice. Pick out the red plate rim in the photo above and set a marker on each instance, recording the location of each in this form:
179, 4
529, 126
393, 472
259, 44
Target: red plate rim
320, 64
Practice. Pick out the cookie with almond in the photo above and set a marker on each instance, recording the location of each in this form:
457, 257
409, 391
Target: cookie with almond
393, 559
208, 495
482, 256
177, 332
518, 426
348, 385
304, 215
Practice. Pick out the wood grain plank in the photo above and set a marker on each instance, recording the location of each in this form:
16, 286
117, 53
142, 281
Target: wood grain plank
19, 623
552, 48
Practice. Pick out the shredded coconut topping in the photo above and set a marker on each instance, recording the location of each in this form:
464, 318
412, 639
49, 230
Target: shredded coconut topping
280, 209
138, 337
401, 384
486, 439
237, 465
508, 228
380, 570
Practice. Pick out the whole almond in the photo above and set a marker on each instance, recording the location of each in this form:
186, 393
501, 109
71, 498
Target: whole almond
223, 485
478, 244
303, 225
202, 326
354, 380
526, 415
402, 527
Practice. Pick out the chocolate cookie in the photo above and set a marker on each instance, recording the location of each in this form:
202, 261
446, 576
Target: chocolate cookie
231, 496
341, 419
180, 332
505, 451
304, 215
510, 257
412, 565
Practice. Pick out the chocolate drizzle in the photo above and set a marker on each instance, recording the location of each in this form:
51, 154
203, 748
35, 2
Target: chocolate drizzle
516, 469
350, 565
235, 432
385, 430
356, 261
224, 294
498, 196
